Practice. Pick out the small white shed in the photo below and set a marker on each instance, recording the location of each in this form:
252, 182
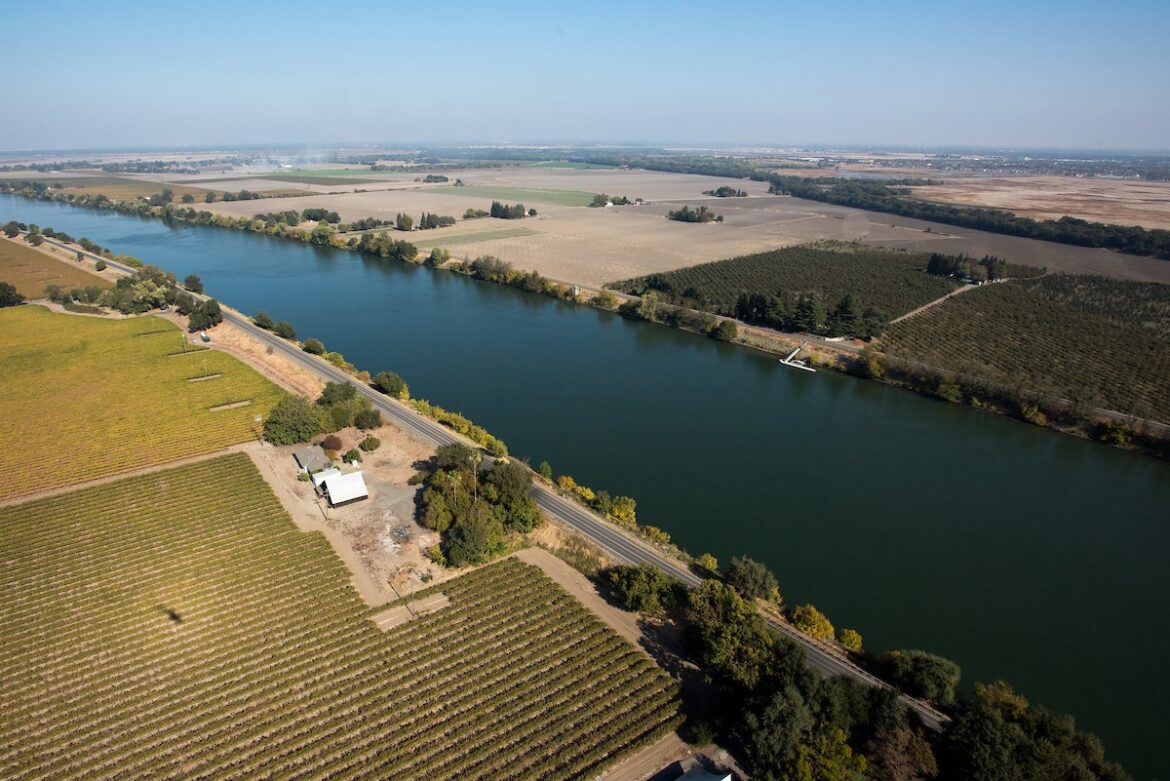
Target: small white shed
342, 489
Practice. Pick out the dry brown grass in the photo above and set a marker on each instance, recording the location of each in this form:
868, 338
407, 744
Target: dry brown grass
29, 270
1117, 201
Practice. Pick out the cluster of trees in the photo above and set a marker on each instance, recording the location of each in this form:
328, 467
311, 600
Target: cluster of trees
514, 212
9, 296
652, 308
475, 505
320, 215
383, 246
489, 268
989, 268
687, 214
242, 195
810, 314
201, 315
894, 197
435, 178
621, 509
602, 199
472, 214
725, 191
791, 722
460, 424
294, 419
368, 223
428, 221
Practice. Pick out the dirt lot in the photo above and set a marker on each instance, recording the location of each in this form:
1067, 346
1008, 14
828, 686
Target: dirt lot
1119, 201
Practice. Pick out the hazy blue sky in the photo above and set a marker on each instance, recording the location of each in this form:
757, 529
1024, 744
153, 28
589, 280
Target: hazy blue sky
1062, 74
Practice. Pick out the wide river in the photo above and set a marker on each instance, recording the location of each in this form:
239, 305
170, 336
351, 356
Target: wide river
1020, 553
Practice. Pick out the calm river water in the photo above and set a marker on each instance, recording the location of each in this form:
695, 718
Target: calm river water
1022, 554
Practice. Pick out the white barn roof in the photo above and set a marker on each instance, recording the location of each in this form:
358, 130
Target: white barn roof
345, 488
321, 477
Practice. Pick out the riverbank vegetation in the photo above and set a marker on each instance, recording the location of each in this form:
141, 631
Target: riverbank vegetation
787, 721
513, 678
63, 375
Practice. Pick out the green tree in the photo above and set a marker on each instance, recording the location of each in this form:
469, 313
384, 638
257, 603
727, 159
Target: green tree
707, 562
812, 622
209, 198
262, 320
367, 419
545, 470
726, 331
753, 580
392, 385
314, 346
921, 674
733, 642
850, 639
643, 588
336, 393
403, 222
100, 265
291, 420
284, 330
193, 283
474, 539
9, 296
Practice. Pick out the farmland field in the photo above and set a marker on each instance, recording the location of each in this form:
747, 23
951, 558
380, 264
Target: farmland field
525, 195
892, 282
455, 239
1038, 335
30, 270
570, 164
86, 398
124, 188
177, 624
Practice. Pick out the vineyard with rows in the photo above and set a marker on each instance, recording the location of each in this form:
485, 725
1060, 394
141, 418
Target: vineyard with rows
86, 397
1046, 340
177, 624
889, 281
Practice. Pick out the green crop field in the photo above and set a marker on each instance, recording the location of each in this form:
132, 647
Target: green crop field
526, 195
177, 624
1063, 336
456, 239
891, 282
86, 397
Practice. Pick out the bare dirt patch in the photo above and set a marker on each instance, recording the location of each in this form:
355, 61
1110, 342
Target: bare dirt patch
1116, 201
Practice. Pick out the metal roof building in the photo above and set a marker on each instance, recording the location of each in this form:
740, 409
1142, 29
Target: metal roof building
312, 458
342, 489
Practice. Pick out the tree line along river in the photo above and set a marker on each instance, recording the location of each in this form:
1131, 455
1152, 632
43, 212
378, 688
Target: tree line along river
1020, 553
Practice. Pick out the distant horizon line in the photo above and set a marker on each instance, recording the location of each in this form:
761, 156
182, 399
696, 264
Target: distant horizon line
581, 145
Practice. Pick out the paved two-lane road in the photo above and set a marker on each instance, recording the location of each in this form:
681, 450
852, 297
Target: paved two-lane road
605, 535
